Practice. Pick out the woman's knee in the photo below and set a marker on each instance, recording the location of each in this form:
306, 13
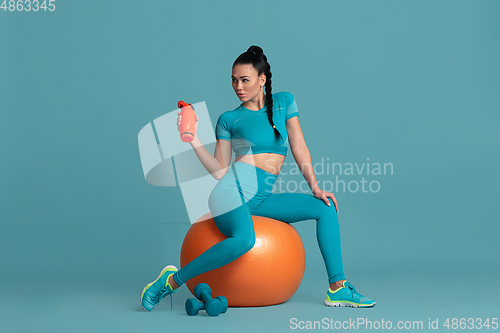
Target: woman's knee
324, 209
244, 242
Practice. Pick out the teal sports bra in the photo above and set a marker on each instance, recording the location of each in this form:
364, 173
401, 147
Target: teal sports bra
250, 132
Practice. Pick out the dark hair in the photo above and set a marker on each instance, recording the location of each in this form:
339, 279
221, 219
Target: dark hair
255, 56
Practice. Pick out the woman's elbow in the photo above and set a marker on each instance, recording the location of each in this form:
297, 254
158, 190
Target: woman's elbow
219, 174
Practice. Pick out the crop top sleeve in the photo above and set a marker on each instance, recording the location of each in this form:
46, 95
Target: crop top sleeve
292, 109
223, 128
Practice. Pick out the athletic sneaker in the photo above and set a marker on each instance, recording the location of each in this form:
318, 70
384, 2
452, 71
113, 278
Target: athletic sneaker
347, 296
154, 292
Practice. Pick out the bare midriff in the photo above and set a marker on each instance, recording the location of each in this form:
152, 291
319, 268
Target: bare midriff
269, 162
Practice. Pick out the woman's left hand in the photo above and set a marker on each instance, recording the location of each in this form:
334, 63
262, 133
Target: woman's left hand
324, 195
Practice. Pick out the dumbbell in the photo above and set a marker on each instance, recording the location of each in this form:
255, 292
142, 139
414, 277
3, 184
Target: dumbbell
213, 306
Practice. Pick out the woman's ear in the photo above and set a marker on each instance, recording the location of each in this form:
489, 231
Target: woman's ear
263, 79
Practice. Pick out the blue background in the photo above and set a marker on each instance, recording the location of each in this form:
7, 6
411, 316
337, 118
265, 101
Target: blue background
412, 83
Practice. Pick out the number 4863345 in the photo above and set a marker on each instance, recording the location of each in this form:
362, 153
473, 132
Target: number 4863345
27, 5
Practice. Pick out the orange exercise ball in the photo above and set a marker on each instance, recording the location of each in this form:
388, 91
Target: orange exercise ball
270, 273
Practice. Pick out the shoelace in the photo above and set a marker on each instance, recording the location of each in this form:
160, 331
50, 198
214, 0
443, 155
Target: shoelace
352, 290
173, 291
156, 298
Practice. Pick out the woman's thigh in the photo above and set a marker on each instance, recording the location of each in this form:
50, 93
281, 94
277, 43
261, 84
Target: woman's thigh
228, 207
293, 207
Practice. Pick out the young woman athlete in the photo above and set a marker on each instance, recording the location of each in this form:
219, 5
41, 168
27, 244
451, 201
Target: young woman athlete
259, 131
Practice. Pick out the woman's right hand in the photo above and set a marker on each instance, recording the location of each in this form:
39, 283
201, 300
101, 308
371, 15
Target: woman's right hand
195, 123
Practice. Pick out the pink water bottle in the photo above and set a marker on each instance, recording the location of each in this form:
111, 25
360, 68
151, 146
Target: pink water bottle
188, 119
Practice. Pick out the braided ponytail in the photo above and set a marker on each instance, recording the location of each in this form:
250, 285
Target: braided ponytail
255, 56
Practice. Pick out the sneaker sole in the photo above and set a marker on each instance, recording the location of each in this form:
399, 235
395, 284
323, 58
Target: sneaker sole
349, 304
149, 284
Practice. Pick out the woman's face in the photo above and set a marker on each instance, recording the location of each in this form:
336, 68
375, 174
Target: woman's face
246, 83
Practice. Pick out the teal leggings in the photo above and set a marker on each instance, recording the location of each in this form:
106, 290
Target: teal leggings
246, 190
